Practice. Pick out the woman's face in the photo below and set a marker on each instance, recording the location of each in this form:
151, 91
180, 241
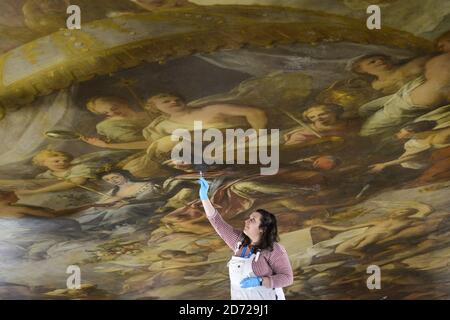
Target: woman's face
110, 109
321, 116
57, 163
251, 227
115, 179
169, 105
404, 134
374, 65
444, 44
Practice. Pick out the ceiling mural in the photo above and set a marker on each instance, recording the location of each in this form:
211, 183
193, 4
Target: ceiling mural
356, 124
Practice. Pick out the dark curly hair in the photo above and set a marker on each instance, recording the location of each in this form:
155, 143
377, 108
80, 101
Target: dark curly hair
356, 64
124, 173
270, 232
420, 126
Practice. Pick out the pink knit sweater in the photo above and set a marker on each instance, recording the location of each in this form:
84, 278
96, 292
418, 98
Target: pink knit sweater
273, 264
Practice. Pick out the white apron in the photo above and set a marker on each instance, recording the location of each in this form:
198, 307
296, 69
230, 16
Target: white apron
241, 268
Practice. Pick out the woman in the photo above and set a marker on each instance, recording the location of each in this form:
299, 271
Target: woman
121, 124
177, 114
388, 75
260, 266
417, 97
130, 200
127, 187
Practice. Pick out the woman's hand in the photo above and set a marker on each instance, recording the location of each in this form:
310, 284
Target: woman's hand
266, 282
251, 282
204, 187
296, 136
95, 142
377, 168
207, 205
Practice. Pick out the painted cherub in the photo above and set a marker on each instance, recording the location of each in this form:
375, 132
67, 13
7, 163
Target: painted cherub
59, 168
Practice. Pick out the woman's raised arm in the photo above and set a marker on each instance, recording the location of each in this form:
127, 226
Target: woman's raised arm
227, 232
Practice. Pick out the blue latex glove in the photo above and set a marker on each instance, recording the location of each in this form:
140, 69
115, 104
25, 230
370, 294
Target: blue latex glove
204, 186
251, 282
